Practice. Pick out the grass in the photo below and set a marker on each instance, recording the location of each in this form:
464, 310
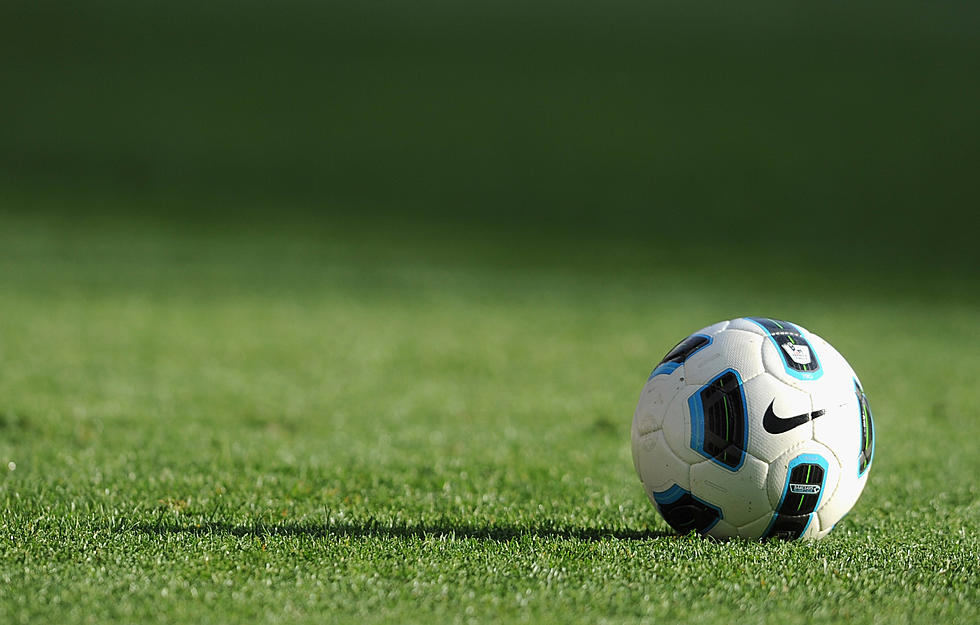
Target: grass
342, 421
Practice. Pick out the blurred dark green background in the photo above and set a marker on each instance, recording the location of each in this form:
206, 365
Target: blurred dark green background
806, 134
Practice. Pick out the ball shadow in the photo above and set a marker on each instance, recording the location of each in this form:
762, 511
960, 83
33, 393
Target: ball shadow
387, 529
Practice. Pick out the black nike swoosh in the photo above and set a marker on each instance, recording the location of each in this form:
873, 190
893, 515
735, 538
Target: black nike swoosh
778, 425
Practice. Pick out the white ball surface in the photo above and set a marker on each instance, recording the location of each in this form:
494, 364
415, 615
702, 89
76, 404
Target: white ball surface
753, 428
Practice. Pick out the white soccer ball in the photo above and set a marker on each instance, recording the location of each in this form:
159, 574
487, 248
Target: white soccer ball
755, 428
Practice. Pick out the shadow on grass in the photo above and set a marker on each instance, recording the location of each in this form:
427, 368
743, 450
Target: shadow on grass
380, 529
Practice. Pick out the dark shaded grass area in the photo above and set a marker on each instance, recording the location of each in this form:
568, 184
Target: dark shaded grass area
818, 132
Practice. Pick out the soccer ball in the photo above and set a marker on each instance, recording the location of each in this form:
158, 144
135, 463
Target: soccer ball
754, 428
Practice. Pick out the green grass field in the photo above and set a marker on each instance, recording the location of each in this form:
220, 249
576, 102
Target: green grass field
339, 311
288, 420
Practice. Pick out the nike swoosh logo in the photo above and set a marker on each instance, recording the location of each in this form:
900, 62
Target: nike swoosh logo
778, 425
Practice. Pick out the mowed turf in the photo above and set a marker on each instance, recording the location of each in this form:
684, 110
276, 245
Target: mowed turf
343, 422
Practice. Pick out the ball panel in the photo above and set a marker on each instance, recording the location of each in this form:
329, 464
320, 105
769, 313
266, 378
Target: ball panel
802, 479
745, 325
813, 530
658, 467
823, 532
754, 530
677, 427
715, 328
838, 379
655, 398
788, 526
772, 360
634, 449
680, 353
730, 349
839, 429
835, 365
719, 423
773, 407
685, 512
797, 359
745, 491
867, 436
849, 428
723, 530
